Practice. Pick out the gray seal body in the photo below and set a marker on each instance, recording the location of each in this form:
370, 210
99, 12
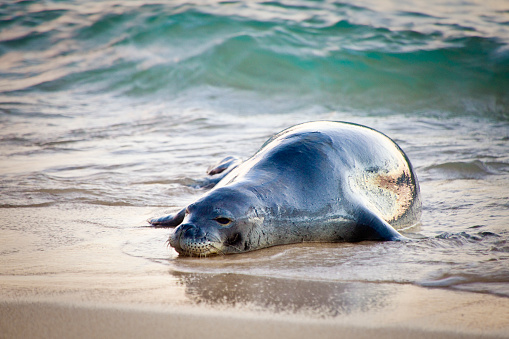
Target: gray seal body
320, 181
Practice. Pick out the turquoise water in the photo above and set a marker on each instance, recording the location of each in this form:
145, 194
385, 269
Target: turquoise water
376, 57
120, 105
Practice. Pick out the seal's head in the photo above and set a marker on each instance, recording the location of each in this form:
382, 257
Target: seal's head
218, 223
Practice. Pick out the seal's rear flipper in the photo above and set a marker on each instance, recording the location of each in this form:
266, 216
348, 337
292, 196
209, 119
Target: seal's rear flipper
227, 163
219, 171
171, 220
370, 226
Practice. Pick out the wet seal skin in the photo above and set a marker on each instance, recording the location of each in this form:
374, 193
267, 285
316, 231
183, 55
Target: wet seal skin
321, 181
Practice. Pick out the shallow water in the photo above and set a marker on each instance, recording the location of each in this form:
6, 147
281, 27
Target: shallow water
110, 113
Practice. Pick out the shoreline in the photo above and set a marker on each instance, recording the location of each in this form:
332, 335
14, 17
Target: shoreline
95, 280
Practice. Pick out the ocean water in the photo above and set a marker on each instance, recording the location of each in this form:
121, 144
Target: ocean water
111, 111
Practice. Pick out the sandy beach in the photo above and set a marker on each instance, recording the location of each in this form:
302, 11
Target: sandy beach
47, 309
478, 317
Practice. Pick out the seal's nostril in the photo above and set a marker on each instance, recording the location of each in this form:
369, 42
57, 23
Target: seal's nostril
191, 231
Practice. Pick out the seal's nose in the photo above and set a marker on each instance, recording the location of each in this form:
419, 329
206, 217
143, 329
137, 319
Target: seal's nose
185, 232
190, 231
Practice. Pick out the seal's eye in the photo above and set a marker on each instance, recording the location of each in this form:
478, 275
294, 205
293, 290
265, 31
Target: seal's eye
223, 221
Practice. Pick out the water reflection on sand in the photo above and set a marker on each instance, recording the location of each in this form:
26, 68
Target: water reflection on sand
319, 298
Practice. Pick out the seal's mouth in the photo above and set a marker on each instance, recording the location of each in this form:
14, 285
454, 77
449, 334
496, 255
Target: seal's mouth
190, 240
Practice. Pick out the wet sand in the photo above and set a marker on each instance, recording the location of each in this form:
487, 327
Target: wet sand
46, 309
452, 318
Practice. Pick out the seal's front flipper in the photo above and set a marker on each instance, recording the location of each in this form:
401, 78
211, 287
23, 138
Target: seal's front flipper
171, 220
370, 226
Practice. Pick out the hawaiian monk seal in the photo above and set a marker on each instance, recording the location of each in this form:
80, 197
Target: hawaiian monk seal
320, 181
